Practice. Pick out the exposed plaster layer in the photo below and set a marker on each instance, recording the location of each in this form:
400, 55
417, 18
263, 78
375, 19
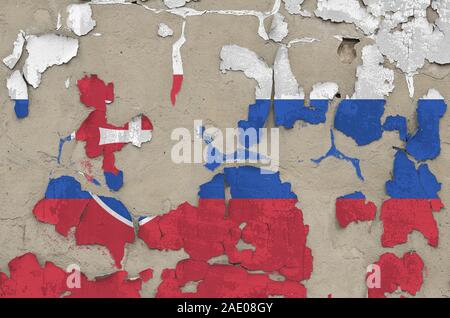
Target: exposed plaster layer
349, 11
79, 18
12, 59
45, 51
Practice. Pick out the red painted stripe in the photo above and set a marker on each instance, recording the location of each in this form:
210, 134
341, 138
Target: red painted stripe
177, 82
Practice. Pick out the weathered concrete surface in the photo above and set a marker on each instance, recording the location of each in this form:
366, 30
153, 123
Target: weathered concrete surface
131, 54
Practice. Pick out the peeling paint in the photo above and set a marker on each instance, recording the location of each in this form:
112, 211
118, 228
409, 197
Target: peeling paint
334, 152
177, 65
205, 232
164, 30
414, 198
374, 81
175, 3
360, 116
405, 273
28, 279
425, 144
79, 19
289, 102
354, 208
294, 7
18, 92
45, 51
12, 59
279, 28
59, 22
236, 58
102, 138
349, 11
96, 219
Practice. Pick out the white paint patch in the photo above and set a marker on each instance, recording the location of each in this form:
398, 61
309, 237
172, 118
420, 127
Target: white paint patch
135, 134
260, 15
402, 9
188, 12
164, 30
410, 46
114, 214
433, 94
410, 83
286, 85
45, 51
325, 90
407, 38
80, 19
374, 80
294, 7
177, 61
17, 87
12, 59
302, 40
171, 4
185, 12
58, 22
349, 11
67, 82
110, 2
236, 58
279, 29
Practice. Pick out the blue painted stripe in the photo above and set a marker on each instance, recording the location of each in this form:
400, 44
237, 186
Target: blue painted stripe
354, 195
65, 187
425, 144
257, 117
250, 183
360, 119
21, 108
288, 111
117, 206
411, 183
214, 189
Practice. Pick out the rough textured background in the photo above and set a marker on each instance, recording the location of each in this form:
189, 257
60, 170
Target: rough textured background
130, 54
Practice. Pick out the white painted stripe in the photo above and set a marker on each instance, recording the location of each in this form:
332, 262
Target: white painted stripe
134, 134
177, 62
110, 211
146, 220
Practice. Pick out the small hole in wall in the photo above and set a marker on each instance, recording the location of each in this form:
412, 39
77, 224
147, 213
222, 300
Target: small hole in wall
338, 95
347, 51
